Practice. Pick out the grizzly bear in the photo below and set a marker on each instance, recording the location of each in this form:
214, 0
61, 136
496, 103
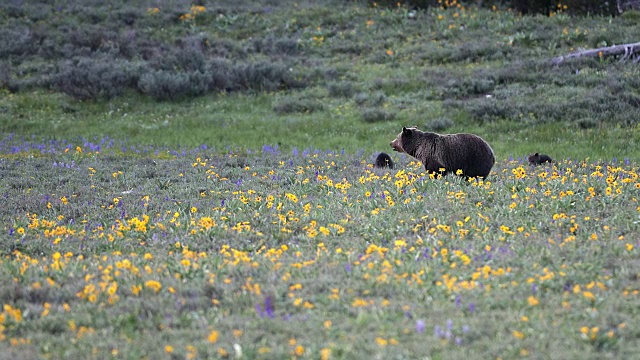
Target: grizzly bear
384, 160
539, 159
451, 152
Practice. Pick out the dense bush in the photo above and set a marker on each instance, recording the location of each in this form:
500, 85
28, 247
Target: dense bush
171, 85
377, 98
272, 45
439, 124
264, 76
94, 78
297, 104
377, 114
92, 37
15, 42
220, 75
344, 89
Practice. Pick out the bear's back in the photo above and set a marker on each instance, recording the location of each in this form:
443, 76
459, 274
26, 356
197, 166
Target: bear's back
467, 152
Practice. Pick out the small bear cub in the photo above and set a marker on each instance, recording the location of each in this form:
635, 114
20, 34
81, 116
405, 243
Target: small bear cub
384, 160
539, 159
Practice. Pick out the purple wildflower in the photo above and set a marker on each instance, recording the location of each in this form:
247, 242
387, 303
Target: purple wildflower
347, 268
269, 308
437, 331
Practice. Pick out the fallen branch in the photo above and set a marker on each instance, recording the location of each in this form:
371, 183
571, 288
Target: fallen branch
626, 50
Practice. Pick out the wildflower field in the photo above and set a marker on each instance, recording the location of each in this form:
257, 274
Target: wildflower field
153, 253
194, 180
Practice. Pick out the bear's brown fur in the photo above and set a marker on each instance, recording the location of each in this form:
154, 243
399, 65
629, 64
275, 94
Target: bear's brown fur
453, 152
539, 159
384, 160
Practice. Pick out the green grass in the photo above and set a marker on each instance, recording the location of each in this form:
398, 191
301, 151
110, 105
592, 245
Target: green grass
489, 77
300, 254
239, 224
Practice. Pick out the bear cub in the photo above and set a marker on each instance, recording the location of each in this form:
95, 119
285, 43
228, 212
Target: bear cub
451, 152
539, 159
384, 160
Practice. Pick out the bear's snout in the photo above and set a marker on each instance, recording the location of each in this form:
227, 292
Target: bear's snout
396, 147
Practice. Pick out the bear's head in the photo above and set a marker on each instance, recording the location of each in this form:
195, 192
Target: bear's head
403, 139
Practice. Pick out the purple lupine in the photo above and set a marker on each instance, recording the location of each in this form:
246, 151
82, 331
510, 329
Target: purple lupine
437, 331
269, 308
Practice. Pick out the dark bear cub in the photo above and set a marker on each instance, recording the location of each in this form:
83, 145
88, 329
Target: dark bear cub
539, 159
384, 160
466, 152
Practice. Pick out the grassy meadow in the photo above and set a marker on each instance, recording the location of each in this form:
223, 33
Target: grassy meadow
189, 181
146, 253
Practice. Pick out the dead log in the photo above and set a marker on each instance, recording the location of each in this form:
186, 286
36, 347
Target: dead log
627, 51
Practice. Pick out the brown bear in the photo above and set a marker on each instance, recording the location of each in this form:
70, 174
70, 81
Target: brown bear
539, 159
384, 160
453, 152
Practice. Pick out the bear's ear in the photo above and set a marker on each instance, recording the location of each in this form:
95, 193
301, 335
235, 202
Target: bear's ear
536, 154
405, 130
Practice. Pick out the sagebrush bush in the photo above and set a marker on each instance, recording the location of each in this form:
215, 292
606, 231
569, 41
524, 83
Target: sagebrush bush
94, 78
375, 99
377, 114
92, 37
272, 45
127, 15
16, 42
344, 89
220, 74
188, 56
171, 85
225, 48
264, 76
296, 104
439, 124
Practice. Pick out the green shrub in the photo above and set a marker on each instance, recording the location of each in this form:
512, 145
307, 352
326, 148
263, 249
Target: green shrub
188, 56
91, 78
220, 73
378, 98
92, 37
16, 42
296, 104
344, 89
376, 114
263, 76
170, 85
272, 45
439, 124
